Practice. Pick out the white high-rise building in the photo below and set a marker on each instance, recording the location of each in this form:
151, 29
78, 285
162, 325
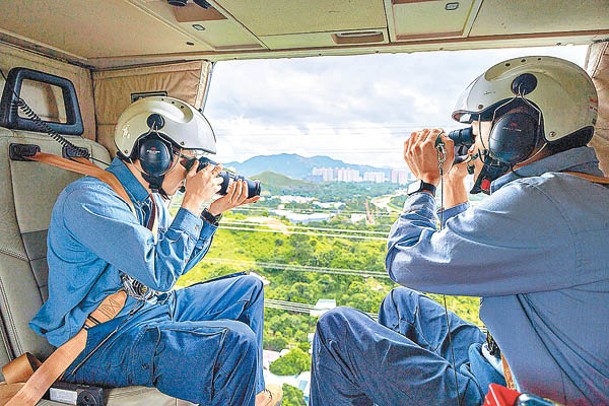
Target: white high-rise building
327, 174
348, 175
376, 177
400, 176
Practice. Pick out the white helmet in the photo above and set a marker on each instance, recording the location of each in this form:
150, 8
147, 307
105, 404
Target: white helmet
562, 91
180, 123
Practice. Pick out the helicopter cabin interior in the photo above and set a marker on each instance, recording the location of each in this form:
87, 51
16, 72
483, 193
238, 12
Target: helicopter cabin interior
115, 51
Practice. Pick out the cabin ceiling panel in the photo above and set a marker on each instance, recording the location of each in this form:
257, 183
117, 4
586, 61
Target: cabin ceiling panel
326, 39
210, 26
500, 17
108, 28
283, 17
428, 19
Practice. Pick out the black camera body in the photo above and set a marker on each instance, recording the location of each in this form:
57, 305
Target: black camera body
253, 186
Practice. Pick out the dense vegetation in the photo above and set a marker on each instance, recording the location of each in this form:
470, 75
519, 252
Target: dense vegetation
338, 259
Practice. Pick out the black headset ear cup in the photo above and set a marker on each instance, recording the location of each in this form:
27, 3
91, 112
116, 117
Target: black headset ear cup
155, 156
513, 137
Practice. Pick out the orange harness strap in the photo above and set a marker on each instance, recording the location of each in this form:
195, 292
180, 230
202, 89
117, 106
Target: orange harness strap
27, 379
591, 178
84, 167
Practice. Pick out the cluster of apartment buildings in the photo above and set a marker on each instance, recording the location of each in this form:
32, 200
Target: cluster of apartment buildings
399, 176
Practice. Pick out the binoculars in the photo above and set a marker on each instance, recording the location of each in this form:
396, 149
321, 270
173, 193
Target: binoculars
463, 139
253, 186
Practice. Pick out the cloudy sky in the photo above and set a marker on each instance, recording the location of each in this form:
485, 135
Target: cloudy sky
355, 108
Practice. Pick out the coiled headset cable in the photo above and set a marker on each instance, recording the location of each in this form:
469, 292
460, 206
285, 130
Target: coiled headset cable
72, 151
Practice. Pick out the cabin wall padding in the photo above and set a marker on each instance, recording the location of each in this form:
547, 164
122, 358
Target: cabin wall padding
112, 91
597, 65
12, 57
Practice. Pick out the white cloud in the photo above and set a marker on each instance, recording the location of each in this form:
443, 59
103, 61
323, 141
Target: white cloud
358, 109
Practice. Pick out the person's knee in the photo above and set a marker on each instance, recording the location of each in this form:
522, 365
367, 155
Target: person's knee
252, 284
400, 304
336, 319
241, 337
400, 296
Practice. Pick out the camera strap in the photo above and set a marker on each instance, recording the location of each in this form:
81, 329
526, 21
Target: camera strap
26, 378
442, 155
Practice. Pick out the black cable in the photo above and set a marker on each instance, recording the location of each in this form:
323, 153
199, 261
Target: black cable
73, 151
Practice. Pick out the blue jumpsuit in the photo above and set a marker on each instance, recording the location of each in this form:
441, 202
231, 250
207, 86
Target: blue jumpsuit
202, 343
536, 251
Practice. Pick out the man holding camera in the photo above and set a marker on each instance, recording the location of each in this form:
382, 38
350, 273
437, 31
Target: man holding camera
202, 343
535, 251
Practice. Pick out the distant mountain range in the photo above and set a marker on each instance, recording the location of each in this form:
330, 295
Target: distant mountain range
295, 166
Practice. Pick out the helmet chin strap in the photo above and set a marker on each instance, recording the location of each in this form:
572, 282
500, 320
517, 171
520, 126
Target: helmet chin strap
491, 170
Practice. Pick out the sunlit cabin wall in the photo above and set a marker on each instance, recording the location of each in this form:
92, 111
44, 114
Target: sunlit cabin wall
112, 90
597, 64
45, 103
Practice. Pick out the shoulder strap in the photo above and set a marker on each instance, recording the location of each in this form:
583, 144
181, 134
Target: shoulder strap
84, 167
591, 178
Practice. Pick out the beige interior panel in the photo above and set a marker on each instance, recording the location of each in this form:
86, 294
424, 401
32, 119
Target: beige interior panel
410, 20
113, 90
212, 27
597, 65
223, 34
281, 17
10, 237
44, 99
94, 28
327, 39
33, 213
524, 16
18, 290
11, 57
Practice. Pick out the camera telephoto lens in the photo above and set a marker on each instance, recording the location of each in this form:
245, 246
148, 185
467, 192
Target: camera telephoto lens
254, 187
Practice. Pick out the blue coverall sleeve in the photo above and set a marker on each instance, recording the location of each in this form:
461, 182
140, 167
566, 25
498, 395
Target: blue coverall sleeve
498, 247
105, 225
202, 247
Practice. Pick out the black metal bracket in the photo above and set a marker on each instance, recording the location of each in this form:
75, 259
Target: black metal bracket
21, 152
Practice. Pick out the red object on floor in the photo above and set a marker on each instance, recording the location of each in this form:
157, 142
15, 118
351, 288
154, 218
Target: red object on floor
500, 396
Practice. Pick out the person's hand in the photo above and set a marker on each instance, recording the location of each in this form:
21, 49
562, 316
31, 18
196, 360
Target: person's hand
236, 195
201, 186
421, 155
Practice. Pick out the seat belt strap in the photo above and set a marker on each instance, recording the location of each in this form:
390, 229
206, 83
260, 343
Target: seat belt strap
27, 379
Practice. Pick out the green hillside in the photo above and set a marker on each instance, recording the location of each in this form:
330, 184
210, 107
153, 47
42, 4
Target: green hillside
341, 258
276, 181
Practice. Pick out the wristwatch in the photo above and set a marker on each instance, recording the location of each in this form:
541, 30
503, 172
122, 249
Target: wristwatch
420, 186
210, 218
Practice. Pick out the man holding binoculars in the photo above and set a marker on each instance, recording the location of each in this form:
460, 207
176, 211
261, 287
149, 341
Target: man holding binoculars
202, 343
535, 251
